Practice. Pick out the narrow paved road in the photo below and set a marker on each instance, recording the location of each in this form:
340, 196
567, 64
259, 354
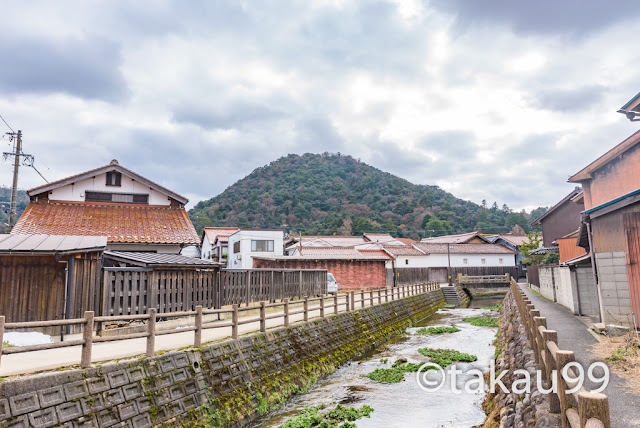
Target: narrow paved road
573, 336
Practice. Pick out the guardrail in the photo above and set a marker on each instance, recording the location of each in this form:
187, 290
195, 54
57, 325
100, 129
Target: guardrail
581, 409
349, 301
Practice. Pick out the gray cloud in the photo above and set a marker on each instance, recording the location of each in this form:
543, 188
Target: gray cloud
86, 68
235, 115
566, 100
569, 17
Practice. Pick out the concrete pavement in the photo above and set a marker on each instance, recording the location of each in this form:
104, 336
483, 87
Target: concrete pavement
573, 336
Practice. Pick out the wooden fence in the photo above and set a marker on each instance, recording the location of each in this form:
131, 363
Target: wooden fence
323, 304
581, 409
533, 275
131, 291
416, 275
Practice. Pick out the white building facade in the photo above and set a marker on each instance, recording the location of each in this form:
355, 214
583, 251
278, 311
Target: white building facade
245, 244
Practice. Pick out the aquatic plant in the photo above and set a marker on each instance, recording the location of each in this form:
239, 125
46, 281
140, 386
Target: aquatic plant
395, 374
339, 416
482, 322
445, 357
432, 331
494, 308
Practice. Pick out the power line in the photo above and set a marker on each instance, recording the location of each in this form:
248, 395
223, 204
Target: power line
5, 122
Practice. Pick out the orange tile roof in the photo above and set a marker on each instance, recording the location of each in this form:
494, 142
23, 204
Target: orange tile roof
222, 233
118, 222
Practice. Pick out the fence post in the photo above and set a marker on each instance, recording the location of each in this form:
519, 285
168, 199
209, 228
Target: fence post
87, 340
300, 276
386, 295
593, 405
306, 308
151, 332
362, 298
379, 296
335, 303
550, 336
353, 301
1, 335
263, 316
322, 306
197, 336
371, 297
234, 322
286, 312
563, 358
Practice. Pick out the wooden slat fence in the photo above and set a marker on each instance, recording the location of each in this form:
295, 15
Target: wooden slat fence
417, 275
130, 291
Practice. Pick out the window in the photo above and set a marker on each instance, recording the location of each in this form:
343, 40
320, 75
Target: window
465, 261
236, 247
484, 261
261, 246
501, 261
114, 178
131, 198
406, 261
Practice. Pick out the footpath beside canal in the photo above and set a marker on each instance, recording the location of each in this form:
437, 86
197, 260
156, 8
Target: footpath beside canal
223, 384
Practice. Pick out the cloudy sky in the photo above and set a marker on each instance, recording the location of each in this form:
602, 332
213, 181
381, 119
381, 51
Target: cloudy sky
499, 100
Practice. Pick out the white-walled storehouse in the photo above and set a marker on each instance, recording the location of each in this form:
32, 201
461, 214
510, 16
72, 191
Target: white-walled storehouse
245, 244
424, 255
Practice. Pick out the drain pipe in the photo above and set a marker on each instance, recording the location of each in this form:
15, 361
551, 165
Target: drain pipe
68, 293
64, 297
596, 283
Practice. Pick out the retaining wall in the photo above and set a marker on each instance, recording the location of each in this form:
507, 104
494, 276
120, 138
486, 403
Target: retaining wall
512, 353
224, 384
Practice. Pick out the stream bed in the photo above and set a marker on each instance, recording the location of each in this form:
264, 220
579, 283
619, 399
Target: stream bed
406, 404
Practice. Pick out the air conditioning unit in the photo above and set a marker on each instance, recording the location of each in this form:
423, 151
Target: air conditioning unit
239, 256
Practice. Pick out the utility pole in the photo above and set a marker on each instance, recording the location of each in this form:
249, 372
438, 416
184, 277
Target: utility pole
17, 150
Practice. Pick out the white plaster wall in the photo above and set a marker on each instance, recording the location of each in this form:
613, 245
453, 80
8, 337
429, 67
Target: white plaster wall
457, 260
207, 251
75, 192
157, 248
245, 261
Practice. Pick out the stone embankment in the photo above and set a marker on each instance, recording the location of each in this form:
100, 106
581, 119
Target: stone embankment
228, 383
513, 352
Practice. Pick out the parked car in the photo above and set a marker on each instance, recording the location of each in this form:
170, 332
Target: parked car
332, 284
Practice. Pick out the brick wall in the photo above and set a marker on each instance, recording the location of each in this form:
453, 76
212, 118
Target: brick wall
350, 274
234, 378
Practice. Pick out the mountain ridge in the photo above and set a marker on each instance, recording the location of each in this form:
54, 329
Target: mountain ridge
338, 194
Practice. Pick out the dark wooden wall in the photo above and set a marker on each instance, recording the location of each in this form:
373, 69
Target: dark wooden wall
32, 286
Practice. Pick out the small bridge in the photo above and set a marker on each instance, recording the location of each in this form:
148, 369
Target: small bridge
484, 281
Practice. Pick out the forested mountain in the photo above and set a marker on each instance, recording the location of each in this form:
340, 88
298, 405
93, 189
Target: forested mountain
5, 196
336, 194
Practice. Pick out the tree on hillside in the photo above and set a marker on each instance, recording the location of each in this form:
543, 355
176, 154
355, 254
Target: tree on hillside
437, 227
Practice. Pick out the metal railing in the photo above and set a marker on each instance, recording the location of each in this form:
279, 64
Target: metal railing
580, 409
324, 304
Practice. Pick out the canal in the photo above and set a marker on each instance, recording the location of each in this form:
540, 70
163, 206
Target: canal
405, 404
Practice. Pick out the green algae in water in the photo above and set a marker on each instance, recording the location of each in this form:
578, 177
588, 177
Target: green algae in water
340, 416
482, 322
493, 308
446, 357
395, 374
432, 331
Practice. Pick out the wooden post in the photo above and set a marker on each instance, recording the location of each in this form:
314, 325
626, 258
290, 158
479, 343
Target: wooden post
197, 336
593, 405
550, 336
362, 299
371, 297
234, 322
300, 276
386, 295
322, 306
248, 288
263, 316
379, 296
1, 335
306, 308
151, 333
353, 301
286, 312
563, 358
87, 340
335, 303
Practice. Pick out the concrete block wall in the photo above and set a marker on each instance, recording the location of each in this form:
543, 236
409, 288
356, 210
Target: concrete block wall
614, 285
234, 379
588, 300
547, 283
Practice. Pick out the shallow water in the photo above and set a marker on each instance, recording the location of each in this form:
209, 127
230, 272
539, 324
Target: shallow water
405, 404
